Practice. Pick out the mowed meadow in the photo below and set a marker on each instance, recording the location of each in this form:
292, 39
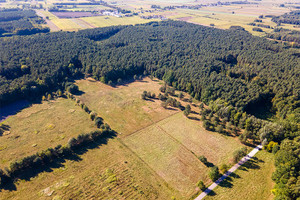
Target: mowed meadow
154, 156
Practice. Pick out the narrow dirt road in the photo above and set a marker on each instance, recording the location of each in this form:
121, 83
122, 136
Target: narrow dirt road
232, 169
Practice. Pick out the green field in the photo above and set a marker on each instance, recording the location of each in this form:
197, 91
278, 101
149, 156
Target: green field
41, 126
251, 181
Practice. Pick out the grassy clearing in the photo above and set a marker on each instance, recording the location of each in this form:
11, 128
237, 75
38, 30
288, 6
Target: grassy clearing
122, 107
251, 181
103, 21
217, 148
108, 172
42, 126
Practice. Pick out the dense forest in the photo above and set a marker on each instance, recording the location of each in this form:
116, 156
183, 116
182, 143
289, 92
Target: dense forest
208, 63
285, 35
288, 18
250, 74
20, 22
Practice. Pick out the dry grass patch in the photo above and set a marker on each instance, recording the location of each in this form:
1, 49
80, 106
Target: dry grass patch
41, 126
168, 158
111, 171
122, 107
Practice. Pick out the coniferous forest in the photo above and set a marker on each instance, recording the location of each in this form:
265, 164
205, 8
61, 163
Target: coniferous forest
252, 74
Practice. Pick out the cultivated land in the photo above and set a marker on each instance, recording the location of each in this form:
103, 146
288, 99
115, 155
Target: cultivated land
251, 181
41, 126
155, 155
103, 21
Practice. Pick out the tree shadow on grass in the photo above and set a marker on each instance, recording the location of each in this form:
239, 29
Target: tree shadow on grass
194, 118
209, 164
210, 192
149, 100
250, 164
227, 182
253, 163
56, 163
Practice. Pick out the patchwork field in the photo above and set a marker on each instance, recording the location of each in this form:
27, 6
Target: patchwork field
102, 21
41, 126
251, 181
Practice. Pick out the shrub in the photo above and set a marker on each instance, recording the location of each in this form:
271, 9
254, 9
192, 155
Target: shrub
93, 115
214, 173
224, 168
72, 143
203, 159
201, 185
269, 147
219, 129
98, 122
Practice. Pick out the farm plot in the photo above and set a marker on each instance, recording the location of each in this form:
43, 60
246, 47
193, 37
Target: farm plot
74, 14
103, 21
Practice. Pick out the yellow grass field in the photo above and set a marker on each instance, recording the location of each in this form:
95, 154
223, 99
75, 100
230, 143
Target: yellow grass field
41, 126
216, 147
168, 158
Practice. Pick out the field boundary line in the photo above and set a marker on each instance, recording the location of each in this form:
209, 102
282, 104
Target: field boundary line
231, 170
146, 164
153, 123
173, 138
